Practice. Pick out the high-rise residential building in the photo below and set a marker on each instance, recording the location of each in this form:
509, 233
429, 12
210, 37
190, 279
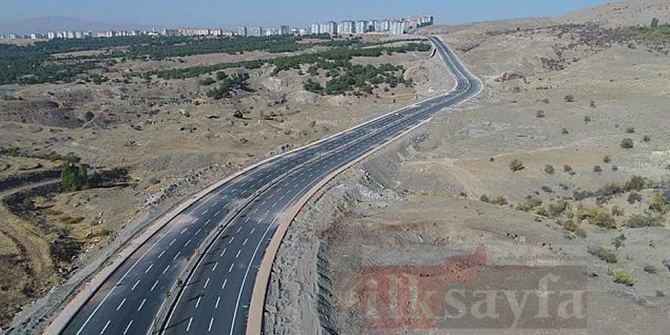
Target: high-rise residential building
397, 27
255, 31
169, 32
361, 27
242, 31
346, 27
316, 29
385, 25
284, 30
369, 26
51, 35
331, 28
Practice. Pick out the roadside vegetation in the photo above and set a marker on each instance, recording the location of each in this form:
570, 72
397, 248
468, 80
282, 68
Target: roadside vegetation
35, 64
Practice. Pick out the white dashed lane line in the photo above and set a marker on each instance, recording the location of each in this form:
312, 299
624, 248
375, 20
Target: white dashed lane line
105, 327
121, 304
128, 327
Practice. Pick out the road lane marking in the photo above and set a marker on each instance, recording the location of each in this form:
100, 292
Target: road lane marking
173, 241
177, 255
210, 324
223, 252
231, 240
238, 253
105, 327
197, 232
197, 303
245, 241
217, 302
128, 327
187, 243
188, 327
154, 286
225, 281
149, 268
134, 286
206, 283
231, 268
252, 231
205, 212
215, 265
183, 231
141, 305
238, 229
166, 269
161, 255
121, 304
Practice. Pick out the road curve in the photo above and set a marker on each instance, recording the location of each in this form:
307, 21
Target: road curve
216, 295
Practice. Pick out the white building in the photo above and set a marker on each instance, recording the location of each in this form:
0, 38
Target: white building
242, 31
361, 27
51, 35
316, 29
255, 31
346, 27
397, 27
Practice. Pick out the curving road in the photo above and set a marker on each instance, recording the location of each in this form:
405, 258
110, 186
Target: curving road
217, 293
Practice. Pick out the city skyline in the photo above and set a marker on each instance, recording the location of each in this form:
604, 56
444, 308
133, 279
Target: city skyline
173, 14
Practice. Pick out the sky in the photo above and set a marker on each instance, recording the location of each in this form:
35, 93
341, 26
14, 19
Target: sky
271, 13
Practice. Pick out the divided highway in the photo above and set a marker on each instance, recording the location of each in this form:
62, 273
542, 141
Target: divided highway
217, 293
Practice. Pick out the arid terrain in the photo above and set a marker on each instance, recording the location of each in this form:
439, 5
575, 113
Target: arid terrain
564, 154
149, 143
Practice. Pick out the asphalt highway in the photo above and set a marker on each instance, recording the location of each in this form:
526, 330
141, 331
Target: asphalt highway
216, 296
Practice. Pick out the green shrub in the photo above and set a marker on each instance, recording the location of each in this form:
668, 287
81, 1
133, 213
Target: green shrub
207, 81
627, 143
549, 169
658, 204
499, 200
568, 225
641, 221
529, 204
596, 217
603, 254
516, 165
624, 278
558, 208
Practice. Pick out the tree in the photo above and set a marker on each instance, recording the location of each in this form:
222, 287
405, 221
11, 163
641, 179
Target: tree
654, 23
312, 86
73, 177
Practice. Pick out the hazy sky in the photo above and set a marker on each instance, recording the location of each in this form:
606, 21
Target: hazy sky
231, 13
